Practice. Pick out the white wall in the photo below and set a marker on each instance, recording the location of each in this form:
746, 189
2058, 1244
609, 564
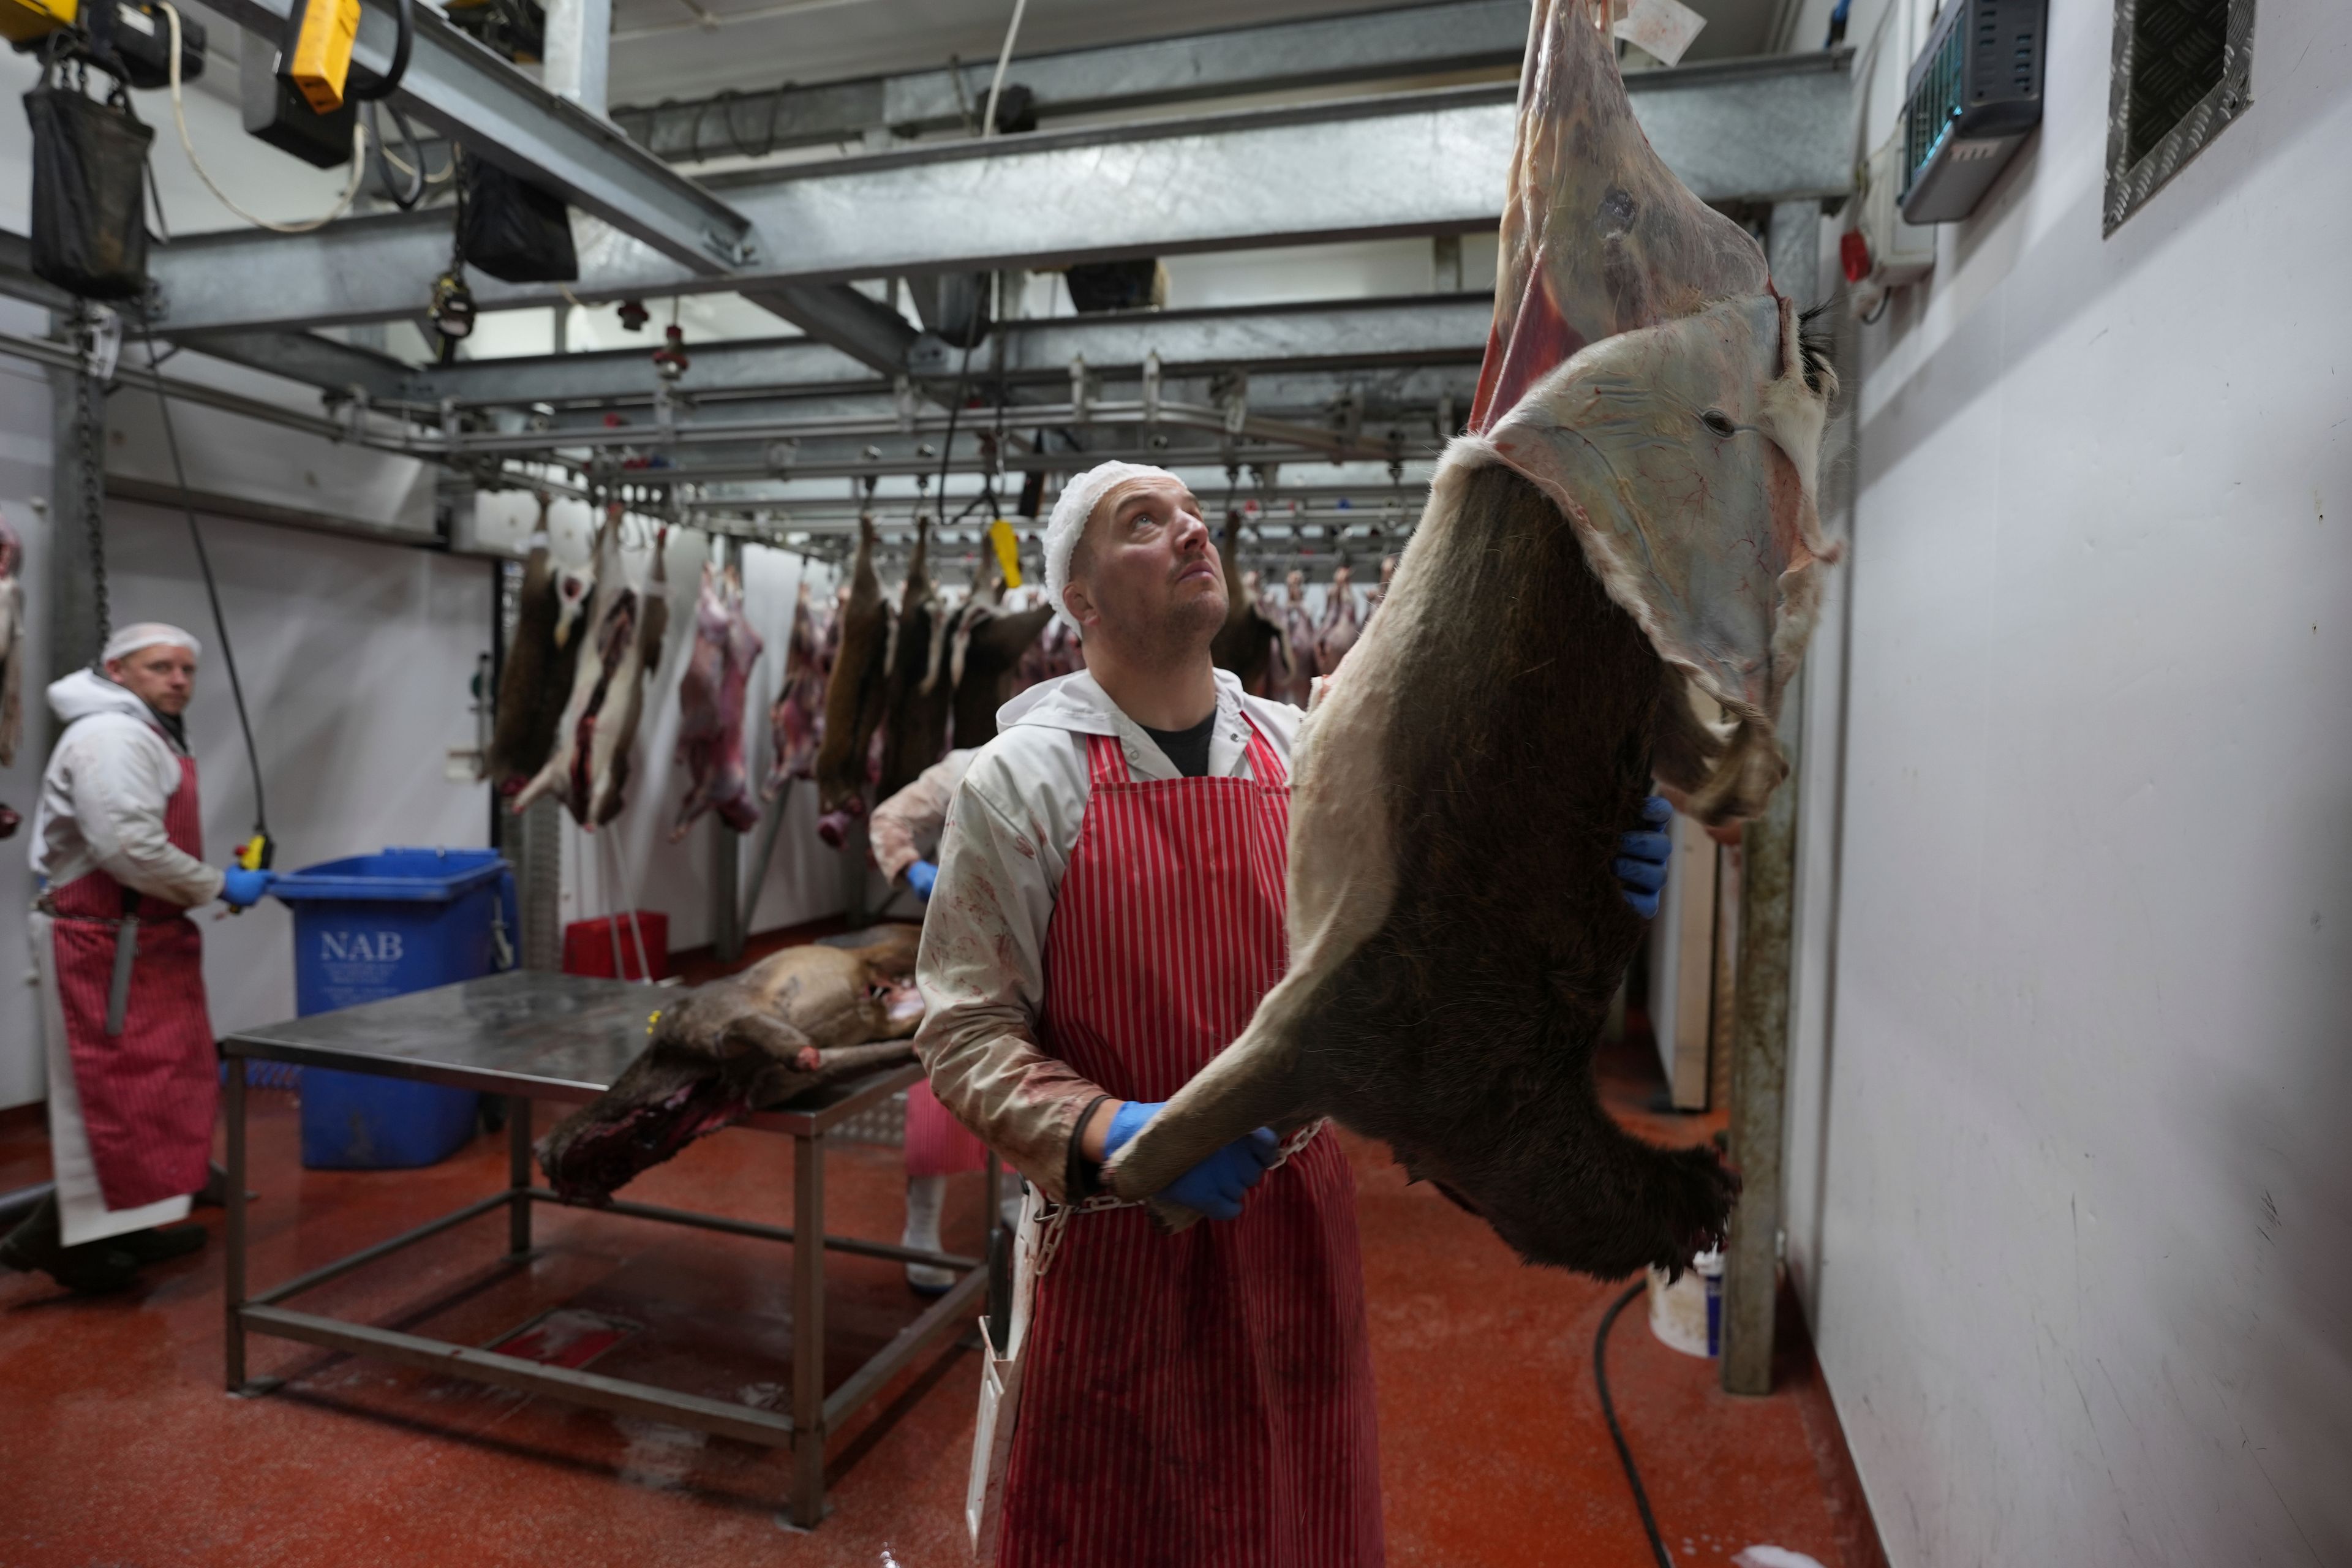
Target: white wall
2068, 1188
356, 658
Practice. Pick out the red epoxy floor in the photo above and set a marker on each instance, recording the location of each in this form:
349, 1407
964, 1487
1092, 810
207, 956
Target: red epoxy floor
120, 1447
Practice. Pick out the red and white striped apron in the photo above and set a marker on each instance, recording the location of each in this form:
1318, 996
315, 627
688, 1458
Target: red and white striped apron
1203, 1398
936, 1143
147, 1094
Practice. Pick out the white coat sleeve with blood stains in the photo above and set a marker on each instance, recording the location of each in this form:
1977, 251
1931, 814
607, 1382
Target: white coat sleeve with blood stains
911, 821
981, 971
118, 780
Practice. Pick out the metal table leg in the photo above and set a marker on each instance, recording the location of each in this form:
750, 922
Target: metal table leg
233, 1285
808, 1330
519, 1181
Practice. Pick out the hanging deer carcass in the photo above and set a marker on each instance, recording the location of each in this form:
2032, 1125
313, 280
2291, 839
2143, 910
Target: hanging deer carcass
589, 768
854, 695
1632, 514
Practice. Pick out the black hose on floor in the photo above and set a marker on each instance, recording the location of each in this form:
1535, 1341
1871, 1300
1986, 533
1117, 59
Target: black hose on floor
1616, 1432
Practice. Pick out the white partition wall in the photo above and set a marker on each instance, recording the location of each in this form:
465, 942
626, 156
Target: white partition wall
2068, 1185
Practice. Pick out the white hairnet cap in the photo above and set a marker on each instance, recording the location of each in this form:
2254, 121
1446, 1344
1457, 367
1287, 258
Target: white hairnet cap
148, 634
1076, 504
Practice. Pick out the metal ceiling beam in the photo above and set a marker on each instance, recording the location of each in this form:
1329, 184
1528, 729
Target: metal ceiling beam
309, 358
1444, 329
17, 279
1417, 164
841, 318
462, 90
1377, 395
1417, 41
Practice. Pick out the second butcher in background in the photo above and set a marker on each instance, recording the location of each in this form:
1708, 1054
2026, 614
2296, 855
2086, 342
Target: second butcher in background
905, 832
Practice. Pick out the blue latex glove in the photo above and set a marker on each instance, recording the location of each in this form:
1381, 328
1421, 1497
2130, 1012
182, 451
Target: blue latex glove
1642, 855
1214, 1187
921, 875
241, 888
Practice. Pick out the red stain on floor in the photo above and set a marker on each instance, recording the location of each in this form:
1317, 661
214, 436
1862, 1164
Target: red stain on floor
120, 1446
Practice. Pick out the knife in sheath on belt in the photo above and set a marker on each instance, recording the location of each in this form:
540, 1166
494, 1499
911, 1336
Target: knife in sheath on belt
126, 951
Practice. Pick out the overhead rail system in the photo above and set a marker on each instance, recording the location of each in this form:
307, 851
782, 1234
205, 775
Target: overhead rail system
739, 436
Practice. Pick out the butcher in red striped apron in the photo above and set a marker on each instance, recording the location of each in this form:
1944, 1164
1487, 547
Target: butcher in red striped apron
119, 847
1109, 909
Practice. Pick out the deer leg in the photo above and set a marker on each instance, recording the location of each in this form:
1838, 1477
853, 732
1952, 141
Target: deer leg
1342, 881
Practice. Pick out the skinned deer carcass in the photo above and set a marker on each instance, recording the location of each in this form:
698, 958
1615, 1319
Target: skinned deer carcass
737, 1045
796, 719
1378, 594
1056, 652
1300, 665
1342, 622
918, 697
589, 769
539, 664
710, 707
12, 659
1633, 513
854, 696
12, 644
1245, 643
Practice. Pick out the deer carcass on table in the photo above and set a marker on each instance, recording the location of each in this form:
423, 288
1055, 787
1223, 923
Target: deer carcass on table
736, 1045
588, 770
1632, 514
796, 719
541, 660
710, 707
854, 696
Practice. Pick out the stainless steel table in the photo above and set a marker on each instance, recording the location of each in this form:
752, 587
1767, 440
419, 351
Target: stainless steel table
531, 1035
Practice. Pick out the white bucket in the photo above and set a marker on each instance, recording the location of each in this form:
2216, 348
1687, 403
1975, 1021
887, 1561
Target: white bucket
1687, 1315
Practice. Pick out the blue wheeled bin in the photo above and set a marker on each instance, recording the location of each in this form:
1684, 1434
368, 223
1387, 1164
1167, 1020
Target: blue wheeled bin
373, 926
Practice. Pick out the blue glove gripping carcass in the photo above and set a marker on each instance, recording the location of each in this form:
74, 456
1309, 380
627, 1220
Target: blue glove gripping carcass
1216, 1185
1640, 864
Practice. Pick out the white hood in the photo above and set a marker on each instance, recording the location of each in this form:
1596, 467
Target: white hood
1072, 701
85, 692
1079, 703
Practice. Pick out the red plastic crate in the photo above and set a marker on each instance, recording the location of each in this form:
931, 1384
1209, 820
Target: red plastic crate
588, 946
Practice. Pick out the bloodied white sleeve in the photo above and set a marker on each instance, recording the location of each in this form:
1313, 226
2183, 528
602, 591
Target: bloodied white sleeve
909, 823
106, 791
984, 980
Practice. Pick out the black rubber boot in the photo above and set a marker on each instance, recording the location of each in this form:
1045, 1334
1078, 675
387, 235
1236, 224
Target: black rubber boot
213, 1194
153, 1245
93, 1269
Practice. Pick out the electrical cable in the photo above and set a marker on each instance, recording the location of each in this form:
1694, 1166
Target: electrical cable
405, 199
1004, 58
204, 560
386, 84
1617, 1433
179, 118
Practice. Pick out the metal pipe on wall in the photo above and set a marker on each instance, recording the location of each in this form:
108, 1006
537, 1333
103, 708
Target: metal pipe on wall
1759, 1051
